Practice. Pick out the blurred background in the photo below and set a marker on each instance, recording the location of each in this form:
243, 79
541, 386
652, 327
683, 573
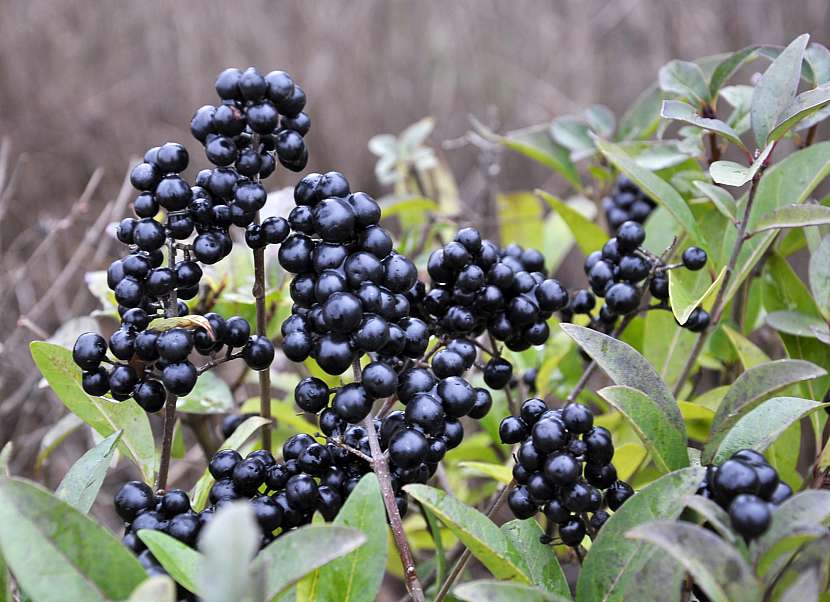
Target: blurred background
86, 87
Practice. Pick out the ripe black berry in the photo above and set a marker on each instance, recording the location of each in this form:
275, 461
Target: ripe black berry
133, 498
694, 258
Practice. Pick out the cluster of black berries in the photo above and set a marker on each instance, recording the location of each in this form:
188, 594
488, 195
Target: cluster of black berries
621, 272
312, 478
563, 468
626, 203
748, 488
477, 286
260, 117
153, 363
350, 288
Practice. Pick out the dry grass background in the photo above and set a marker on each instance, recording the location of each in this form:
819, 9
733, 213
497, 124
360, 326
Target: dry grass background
86, 85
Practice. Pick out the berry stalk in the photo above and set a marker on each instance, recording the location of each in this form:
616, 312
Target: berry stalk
720, 300
261, 324
170, 311
381, 470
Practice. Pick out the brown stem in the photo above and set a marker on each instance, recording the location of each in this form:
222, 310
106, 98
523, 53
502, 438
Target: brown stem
720, 300
170, 310
714, 149
461, 564
381, 470
261, 327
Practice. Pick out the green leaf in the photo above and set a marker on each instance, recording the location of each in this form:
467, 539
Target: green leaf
481, 536
178, 559
535, 142
642, 118
666, 353
688, 290
685, 79
601, 120
653, 186
588, 235
500, 472
80, 485
626, 367
243, 432
749, 353
806, 577
520, 218
793, 216
490, 590
776, 89
714, 515
717, 567
211, 395
297, 553
809, 508
681, 111
228, 544
818, 57
105, 416
749, 389
395, 206
805, 104
656, 429
720, 198
160, 588
759, 428
57, 553
820, 276
727, 68
614, 562
572, 133
542, 565
357, 575
730, 173
798, 324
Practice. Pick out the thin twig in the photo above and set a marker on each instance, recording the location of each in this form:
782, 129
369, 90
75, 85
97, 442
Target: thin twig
720, 299
170, 310
381, 469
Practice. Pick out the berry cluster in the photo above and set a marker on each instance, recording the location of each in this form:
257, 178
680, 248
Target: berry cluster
244, 131
260, 117
626, 203
622, 271
477, 286
312, 478
748, 488
563, 468
154, 363
350, 287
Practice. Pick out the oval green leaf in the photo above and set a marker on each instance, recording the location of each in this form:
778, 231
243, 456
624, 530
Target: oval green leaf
481, 536
661, 436
41, 535
805, 104
626, 367
296, 554
749, 389
181, 561
490, 590
793, 216
81, 484
810, 508
820, 275
211, 395
588, 235
761, 427
542, 565
103, 415
776, 89
801, 325
686, 113
613, 561
358, 575
685, 79
717, 567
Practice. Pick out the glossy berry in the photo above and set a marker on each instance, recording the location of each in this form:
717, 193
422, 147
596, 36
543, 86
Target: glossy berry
407, 448
133, 498
258, 353
520, 503
311, 394
89, 350
750, 515
512, 429
694, 258
630, 235
497, 373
